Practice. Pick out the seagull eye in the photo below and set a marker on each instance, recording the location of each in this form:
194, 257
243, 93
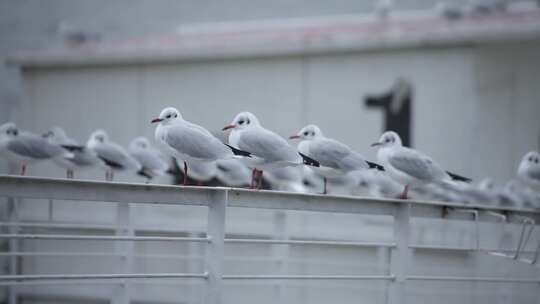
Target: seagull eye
306, 133
247, 121
312, 133
175, 115
241, 122
168, 116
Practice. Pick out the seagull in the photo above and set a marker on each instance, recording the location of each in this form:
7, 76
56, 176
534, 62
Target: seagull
24, 147
187, 141
529, 170
232, 172
112, 154
82, 156
334, 158
286, 179
263, 148
410, 167
152, 161
201, 171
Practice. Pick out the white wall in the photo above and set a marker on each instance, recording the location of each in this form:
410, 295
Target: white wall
475, 107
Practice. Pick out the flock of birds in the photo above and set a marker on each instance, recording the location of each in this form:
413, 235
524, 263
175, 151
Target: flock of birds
317, 165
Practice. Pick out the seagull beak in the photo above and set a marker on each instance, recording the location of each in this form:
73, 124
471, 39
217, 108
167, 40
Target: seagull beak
294, 136
376, 144
227, 127
156, 120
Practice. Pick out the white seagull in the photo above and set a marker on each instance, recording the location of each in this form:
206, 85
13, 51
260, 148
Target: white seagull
112, 154
232, 172
529, 169
82, 156
264, 149
152, 161
24, 147
334, 158
187, 141
410, 167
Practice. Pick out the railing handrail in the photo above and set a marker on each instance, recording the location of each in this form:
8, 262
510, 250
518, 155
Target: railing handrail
121, 192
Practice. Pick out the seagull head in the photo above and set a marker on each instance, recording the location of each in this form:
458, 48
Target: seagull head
140, 142
99, 136
529, 162
167, 116
308, 132
9, 129
242, 121
388, 139
55, 133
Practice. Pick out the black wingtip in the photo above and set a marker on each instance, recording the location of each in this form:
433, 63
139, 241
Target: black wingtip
458, 177
72, 148
373, 165
309, 161
238, 151
144, 173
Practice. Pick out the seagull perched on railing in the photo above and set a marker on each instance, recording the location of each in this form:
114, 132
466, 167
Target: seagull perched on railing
112, 154
152, 161
410, 167
232, 172
529, 169
82, 156
22, 147
335, 158
263, 148
187, 141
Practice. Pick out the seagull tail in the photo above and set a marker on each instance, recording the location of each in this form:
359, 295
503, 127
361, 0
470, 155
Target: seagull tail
309, 161
72, 148
145, 173
373, 165
238, 152
459, 178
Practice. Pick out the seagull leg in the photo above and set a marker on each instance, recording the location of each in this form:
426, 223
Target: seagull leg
259, 180
325, 182
23, 169
185, 173
253, 175
403, 195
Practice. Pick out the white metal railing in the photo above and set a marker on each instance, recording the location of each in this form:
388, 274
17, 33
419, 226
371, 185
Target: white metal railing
217, 200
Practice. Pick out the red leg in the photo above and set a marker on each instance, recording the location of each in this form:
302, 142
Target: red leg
185, 173
253, 177
325, 182
259, 180
403, 195
23, 169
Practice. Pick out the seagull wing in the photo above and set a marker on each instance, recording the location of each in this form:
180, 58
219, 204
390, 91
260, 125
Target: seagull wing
196, 142
416, 164
332, 153
268, 145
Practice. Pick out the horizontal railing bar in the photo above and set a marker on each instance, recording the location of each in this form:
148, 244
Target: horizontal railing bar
83, 190
311, 242
7, 279
53, 225
100, 191
450, 248
103, 237
308, 277
472, 279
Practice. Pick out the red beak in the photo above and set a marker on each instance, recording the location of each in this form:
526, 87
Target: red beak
156, 120
294, 136
376, 144
227, 127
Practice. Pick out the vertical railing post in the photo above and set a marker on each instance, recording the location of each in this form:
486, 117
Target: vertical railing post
125, 250
13, 211
215, 248
401, 255
280, 252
